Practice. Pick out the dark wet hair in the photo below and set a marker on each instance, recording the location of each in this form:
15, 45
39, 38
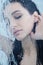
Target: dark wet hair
39, 52
18, 50
28, 4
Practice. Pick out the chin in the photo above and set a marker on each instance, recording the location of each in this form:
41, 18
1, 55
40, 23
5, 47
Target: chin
20, 38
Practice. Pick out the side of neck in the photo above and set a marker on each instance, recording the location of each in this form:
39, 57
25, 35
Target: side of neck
30, 54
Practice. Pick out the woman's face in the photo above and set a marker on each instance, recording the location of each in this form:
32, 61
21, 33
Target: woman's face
19, 20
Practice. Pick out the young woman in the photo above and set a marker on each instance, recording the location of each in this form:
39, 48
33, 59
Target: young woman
21, 18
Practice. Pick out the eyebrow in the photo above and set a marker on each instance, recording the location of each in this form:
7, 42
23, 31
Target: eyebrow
15, 12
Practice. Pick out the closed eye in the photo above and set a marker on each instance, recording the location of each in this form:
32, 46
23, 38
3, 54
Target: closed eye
18, 17
17, 14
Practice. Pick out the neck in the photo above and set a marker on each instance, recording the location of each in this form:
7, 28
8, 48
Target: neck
29, 51
27, 43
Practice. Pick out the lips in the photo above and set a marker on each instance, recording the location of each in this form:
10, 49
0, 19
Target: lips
17, 31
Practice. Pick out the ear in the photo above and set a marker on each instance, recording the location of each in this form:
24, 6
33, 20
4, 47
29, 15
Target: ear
36, 16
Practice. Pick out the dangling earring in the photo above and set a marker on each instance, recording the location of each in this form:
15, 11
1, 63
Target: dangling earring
34, 27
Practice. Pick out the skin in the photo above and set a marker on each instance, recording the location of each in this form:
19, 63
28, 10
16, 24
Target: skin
20, 23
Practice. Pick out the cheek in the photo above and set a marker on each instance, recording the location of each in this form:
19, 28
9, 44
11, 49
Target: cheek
27, 23
27, 27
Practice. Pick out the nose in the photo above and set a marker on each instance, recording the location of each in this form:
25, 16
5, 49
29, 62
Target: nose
13, 25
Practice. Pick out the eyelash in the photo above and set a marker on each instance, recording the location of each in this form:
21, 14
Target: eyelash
18, 17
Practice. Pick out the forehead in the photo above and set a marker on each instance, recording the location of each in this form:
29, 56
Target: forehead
11, 7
